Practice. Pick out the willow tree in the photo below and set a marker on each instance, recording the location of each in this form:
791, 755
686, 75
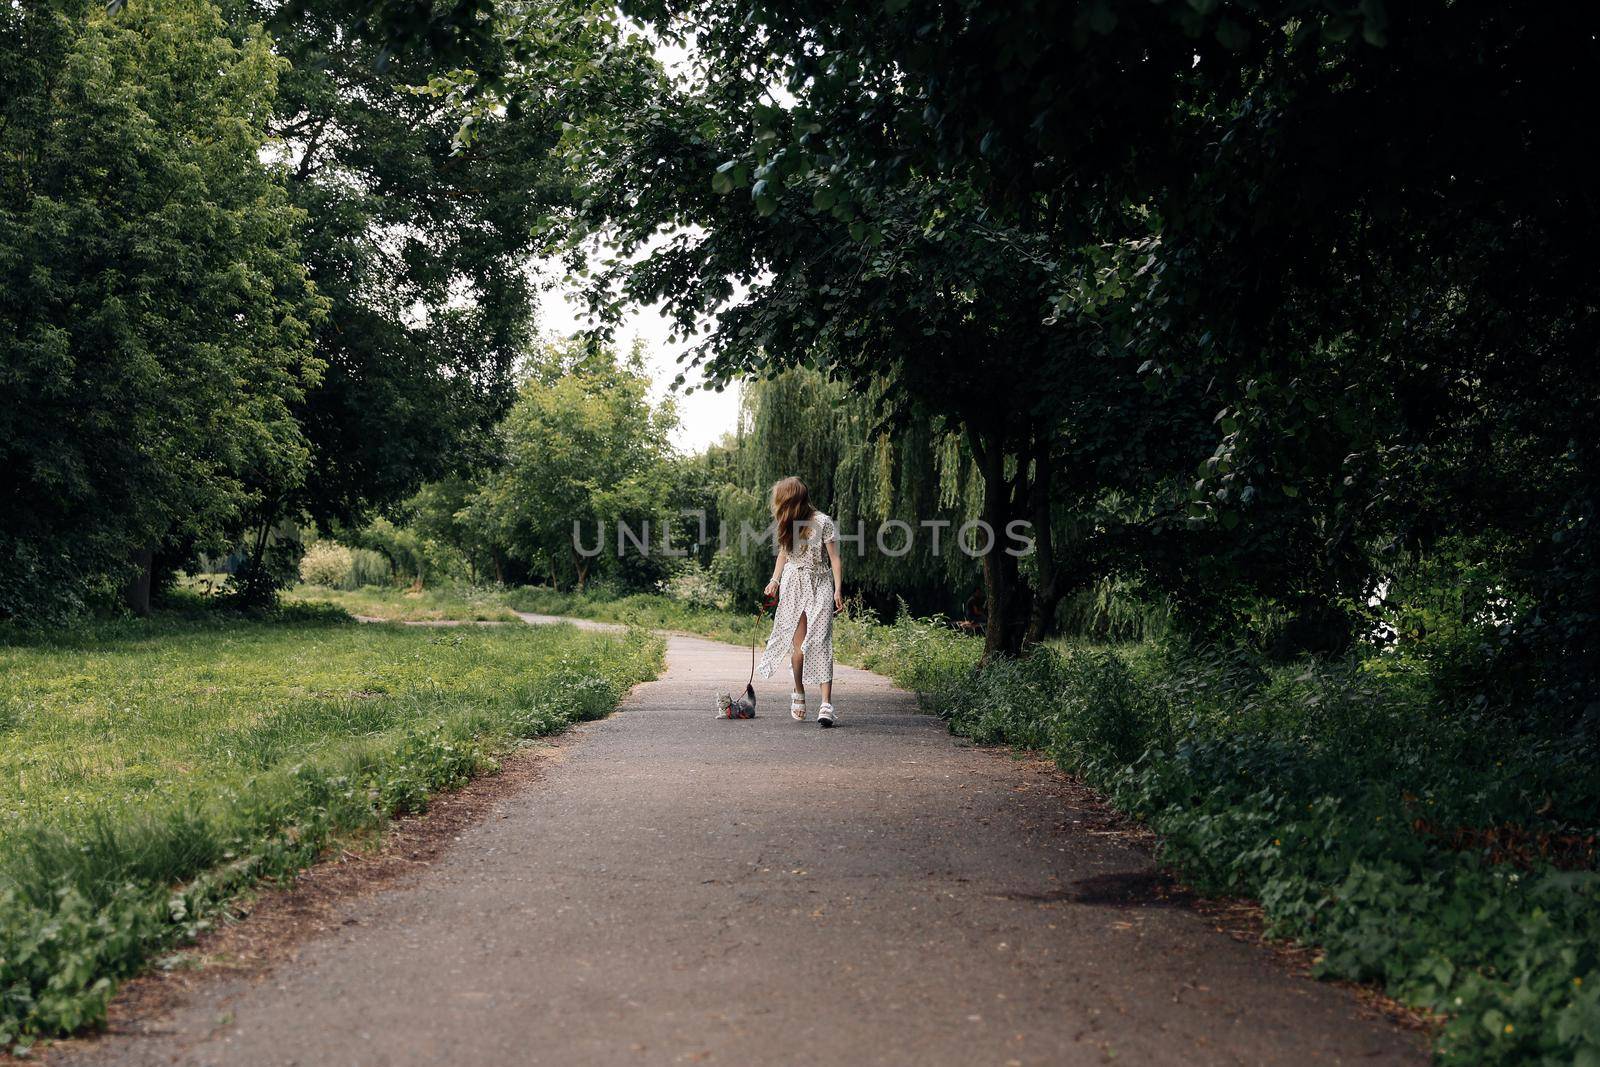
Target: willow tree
892, 493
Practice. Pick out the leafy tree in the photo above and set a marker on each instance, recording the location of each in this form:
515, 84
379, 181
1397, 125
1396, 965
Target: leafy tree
581, 450
930, 285
1403, 315
419, 252
802, 423
1223, 202
154, 314
445, 512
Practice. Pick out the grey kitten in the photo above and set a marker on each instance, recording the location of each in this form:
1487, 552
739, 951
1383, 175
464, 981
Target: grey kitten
743, 708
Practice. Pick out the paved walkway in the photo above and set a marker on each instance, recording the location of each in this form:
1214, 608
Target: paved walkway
682, 889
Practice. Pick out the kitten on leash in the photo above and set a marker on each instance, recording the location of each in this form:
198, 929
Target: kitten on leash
745, 706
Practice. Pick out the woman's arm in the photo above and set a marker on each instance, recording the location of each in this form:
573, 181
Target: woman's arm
838, 575
777, 571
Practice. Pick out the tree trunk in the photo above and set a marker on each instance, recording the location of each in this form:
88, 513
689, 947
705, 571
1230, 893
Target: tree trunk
1002, 589
580, 565
136, 594
1050, 585
258, 551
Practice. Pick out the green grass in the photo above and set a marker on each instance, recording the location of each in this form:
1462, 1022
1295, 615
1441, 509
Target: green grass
649, 610
153, 769
404, 605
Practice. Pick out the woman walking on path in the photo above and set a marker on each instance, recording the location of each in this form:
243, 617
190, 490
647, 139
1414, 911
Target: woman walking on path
808, 594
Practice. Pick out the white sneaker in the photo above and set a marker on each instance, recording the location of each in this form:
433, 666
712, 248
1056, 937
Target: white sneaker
825, 715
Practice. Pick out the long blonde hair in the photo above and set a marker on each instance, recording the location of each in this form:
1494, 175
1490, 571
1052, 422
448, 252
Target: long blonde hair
791, 505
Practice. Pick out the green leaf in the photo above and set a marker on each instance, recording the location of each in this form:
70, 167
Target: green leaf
766, 203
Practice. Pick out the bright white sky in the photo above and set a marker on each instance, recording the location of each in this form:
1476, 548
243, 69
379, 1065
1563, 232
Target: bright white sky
703, 416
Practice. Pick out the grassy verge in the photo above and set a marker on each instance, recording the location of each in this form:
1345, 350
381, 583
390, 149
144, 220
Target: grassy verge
1446, 855
152, 770
404, 605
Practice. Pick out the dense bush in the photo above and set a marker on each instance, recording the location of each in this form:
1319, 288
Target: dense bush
411, 556
1113, 609
326, 563
696, 586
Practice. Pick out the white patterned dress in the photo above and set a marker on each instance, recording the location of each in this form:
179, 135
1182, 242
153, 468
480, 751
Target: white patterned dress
805, 588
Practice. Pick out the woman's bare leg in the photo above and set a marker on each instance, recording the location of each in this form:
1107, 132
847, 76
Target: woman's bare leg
827, 692
797, 654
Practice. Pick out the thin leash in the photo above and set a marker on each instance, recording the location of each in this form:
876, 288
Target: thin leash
761, 612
